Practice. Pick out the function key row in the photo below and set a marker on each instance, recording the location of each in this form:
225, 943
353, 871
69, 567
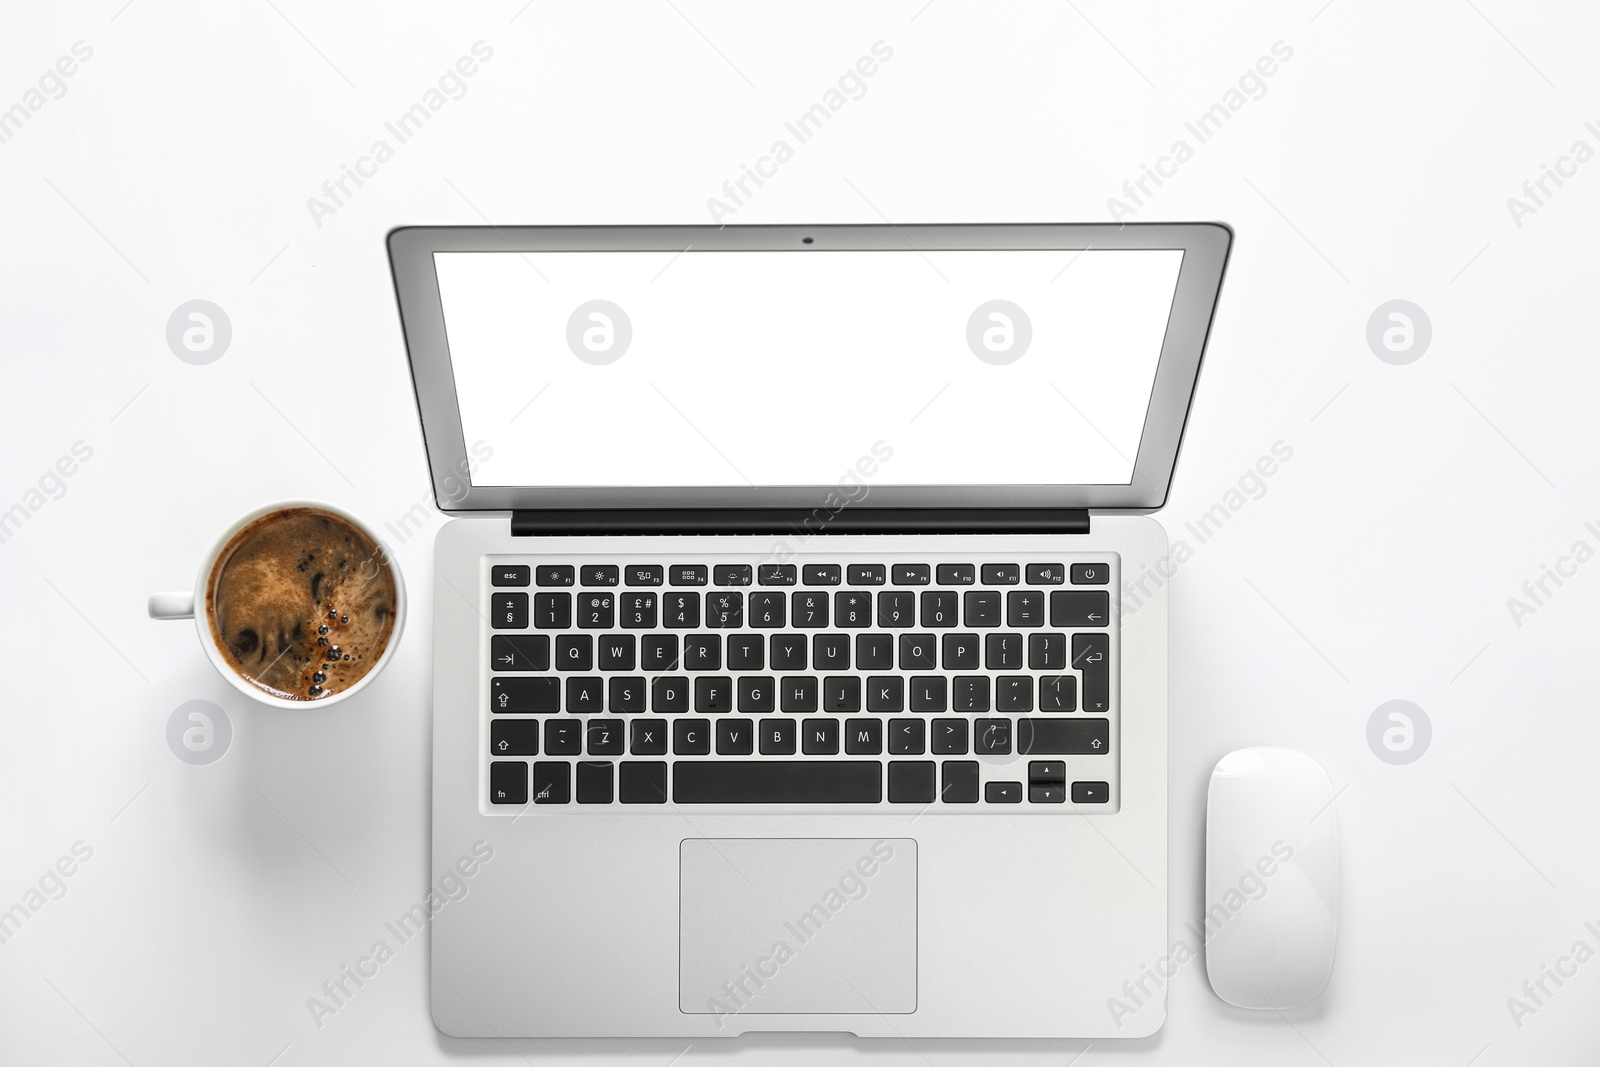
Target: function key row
515, 575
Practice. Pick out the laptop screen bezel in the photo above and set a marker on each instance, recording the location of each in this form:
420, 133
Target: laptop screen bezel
1205, 249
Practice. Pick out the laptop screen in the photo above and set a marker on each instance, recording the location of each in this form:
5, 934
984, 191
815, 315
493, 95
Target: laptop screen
793, 368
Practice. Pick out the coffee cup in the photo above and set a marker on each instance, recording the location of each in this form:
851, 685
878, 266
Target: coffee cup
306, 583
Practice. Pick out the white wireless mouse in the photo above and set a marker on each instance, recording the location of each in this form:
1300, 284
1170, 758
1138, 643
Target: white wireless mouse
1272, 878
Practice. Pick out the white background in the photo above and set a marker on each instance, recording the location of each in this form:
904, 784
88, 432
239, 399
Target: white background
1376, 565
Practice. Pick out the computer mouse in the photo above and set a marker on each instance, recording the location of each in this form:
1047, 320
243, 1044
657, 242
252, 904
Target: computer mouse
1272, 878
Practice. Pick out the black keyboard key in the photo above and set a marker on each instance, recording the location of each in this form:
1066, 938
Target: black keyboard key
777, 737
982, 607
852, 609
524, 696
912, 782
929, 693
597, 611
509, 574
1063, 737
907, 737
508, 783
863, 737
644, 574
949, 737
642, 783
731, 574
555, 575
691, 737
991, 736
627, 695
886, 693
778, 782
1075, 609
724, 611
956, 574
574, 652
865, 574
1013, 692
1003, 792
776, 574
960, 652
680, 611
1091, 654
830, 652
1001, 574
659, 652
1090, 792
897, 609
788, 652
819, 737
1002, 652
687, 574
939, 608
604, 737
820, 574
1047, 792
746, 652
519, 652
669, 695
1025, 607
1045, 573
648, 737
639, 611
959, 781
757, 693
1090, 574
508, 611
585, 696
909, 574
798, 694
918, 652
1047, 770
563, 737
971, 693
768, 610
514, 737
599, 574
595, 782
1058, 692
552, 611
713, 696
1047, 652
735, 737
874, 652
702, 652
618, 652
841, 693
811, 610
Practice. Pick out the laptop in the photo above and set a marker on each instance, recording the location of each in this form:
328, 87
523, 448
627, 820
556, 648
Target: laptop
799, 630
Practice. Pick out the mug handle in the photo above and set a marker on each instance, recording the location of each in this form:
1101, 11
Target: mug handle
172, 605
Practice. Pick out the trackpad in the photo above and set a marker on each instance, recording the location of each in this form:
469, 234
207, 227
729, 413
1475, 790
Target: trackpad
797, 925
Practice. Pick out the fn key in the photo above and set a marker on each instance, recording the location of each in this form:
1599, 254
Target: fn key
508, 783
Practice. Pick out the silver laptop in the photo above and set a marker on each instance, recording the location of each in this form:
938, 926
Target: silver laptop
799, 635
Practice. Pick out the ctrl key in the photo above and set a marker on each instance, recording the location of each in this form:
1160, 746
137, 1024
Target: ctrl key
508, 782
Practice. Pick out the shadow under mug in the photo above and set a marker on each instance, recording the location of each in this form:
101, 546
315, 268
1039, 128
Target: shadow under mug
191, 605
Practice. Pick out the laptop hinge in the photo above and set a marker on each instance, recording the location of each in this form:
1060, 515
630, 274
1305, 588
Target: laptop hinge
545, 522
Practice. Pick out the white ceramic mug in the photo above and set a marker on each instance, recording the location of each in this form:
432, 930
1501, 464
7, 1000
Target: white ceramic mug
192, 606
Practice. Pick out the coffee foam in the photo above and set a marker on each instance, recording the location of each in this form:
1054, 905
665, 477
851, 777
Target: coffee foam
301, 603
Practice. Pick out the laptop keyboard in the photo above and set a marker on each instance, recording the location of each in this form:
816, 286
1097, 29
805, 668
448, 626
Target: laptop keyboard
970, 683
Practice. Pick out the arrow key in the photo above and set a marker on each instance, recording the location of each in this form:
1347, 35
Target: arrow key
514, 737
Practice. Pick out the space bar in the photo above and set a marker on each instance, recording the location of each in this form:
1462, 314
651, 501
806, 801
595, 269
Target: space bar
778, 782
